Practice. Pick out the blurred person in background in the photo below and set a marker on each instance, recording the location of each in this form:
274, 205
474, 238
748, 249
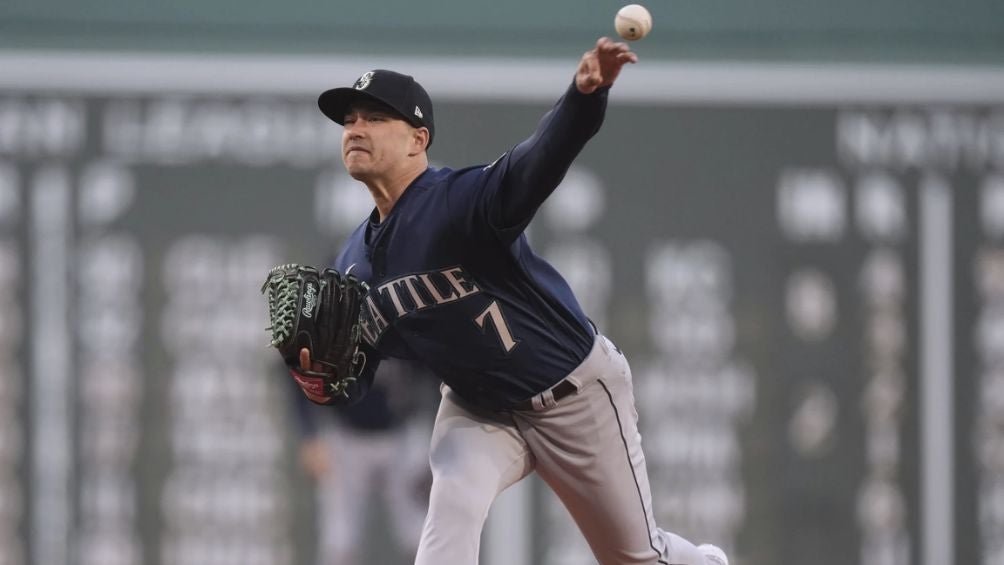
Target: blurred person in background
377, 448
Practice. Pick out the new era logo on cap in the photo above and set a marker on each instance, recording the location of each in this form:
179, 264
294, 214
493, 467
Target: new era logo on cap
400, 92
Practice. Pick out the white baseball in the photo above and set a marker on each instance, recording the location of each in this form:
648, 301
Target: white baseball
633, 22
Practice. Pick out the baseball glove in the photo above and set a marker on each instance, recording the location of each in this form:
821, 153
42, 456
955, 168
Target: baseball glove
318, 311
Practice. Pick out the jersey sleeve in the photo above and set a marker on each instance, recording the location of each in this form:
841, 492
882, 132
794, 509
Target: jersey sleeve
506, 194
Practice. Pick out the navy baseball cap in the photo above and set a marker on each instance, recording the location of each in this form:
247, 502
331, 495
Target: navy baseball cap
401, 92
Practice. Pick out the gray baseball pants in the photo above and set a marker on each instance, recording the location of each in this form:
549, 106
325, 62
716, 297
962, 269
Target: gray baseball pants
586, 447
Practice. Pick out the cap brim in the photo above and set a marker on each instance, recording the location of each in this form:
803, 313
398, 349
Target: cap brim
335, 104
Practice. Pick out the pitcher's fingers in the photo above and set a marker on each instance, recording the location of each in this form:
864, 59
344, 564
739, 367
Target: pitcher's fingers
305, 359
611, 47
620, 47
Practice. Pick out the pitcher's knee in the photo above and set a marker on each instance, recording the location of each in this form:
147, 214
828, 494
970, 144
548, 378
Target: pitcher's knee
460, 497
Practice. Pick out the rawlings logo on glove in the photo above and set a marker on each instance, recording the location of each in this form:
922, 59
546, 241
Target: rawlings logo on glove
317, 311
309, 301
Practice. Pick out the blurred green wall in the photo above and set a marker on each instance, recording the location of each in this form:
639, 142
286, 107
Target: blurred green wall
950, 31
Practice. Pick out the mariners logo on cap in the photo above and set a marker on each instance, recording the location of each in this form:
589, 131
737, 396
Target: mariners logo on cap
363, 81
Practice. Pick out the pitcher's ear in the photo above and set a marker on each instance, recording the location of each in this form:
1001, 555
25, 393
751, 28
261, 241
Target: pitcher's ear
422, 138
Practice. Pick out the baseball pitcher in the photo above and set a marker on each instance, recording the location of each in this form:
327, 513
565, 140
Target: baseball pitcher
441, 272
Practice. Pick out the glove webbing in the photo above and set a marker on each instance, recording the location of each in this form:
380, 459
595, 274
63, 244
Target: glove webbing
282, 303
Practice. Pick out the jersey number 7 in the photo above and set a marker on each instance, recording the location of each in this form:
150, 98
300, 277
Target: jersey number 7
494, 313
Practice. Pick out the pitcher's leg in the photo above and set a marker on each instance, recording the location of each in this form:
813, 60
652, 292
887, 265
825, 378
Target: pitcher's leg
474, 456
588, 450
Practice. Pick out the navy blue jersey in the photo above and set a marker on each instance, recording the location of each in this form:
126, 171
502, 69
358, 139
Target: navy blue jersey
453, 281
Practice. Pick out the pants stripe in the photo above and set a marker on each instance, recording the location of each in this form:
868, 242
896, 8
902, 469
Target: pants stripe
627, 452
